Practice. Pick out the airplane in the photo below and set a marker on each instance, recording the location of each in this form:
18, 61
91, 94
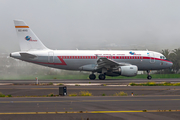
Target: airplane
105, 62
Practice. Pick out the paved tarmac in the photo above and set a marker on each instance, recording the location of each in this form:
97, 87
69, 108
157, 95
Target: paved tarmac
107, 81
34, 90
92, 108
148, 102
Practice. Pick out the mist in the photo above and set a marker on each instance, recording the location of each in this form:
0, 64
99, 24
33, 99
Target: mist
93, 24
90, 24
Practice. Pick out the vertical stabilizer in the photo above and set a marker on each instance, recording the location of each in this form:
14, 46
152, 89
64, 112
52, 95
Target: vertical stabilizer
27, 39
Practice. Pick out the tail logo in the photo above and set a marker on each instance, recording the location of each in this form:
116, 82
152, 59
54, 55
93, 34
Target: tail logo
28, 38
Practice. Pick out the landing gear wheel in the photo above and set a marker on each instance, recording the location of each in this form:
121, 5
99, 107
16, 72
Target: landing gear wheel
102, 77
92, 76
149, 77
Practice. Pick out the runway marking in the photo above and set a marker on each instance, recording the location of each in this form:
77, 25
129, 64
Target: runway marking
87, 101
72, 112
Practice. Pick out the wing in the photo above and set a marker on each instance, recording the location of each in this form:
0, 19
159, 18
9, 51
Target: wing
108, 63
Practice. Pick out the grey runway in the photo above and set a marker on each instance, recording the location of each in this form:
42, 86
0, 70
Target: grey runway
148, 102
108, 81
109, 107
34, 90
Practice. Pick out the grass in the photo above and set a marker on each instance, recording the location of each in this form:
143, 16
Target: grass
50, 83
155, 84
103, 94
85, 76
85, 93
81, 93
73, 94
2, 95
9, 95
144, 110
50, 95
60, 84
121, 94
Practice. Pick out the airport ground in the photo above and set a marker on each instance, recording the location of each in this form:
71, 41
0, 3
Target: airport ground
110, 81
148, 102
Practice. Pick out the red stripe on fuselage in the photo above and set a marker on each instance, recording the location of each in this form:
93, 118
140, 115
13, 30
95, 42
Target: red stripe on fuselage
62, 61
110, 57
61, 58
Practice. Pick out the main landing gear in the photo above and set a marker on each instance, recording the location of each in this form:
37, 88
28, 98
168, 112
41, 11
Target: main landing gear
149, 76
102, 77
93, 77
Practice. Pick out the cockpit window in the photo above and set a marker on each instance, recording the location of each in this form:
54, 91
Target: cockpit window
162, 57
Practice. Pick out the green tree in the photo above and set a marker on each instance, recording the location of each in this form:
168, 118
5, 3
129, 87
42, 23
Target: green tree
167, 53
175, 58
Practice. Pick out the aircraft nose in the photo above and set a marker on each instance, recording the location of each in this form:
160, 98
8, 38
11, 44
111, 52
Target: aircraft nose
171, 64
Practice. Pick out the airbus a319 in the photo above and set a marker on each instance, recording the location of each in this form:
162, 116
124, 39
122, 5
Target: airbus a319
104, 62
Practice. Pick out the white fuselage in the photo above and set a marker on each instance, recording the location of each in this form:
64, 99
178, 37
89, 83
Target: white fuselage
76, 59
111, 63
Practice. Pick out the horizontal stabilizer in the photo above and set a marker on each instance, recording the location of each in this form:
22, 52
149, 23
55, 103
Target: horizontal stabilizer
28, 56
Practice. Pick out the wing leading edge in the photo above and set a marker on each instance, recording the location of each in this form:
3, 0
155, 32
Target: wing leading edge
104, 62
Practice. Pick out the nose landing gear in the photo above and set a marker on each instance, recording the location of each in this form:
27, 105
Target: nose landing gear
149, 77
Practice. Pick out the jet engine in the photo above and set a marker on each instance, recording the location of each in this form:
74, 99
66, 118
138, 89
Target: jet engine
128, 71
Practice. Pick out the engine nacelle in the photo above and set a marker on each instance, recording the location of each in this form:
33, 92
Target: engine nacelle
128, 71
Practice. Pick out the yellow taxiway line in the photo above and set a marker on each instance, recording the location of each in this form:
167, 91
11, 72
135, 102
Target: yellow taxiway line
70, 112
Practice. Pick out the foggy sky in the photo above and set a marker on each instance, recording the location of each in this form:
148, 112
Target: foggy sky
93, 24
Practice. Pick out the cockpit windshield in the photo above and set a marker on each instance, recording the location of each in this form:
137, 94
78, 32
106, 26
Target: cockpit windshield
162, 57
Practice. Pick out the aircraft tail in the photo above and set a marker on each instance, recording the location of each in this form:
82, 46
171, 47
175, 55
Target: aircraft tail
27, 39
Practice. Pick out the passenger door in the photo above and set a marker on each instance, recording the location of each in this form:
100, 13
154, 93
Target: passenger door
51, 57
152, 59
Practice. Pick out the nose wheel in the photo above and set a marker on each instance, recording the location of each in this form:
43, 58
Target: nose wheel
149, 77
102, 77
92, 76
